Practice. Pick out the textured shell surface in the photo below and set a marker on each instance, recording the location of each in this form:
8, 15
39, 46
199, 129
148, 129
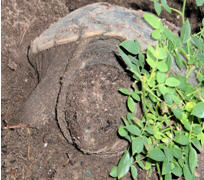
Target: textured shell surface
95, 19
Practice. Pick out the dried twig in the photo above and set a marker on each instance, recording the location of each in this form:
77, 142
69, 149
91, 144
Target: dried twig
16, 126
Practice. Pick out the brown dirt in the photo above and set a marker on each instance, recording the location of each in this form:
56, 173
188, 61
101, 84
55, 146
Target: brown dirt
29, 153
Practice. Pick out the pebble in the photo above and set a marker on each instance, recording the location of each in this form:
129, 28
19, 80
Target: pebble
12, 65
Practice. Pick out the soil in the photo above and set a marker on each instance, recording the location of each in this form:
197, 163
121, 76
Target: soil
43, 153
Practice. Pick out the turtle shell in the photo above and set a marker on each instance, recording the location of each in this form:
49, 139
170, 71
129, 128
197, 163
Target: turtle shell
94, 20
80, 73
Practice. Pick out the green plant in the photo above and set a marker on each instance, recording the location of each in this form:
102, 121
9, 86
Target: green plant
171, 131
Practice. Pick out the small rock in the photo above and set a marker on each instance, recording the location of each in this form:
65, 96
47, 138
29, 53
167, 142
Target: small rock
12, 65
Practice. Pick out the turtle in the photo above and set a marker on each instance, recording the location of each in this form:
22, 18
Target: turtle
79, 74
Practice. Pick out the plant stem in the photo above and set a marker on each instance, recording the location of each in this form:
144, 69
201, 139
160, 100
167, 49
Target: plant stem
177, 11
149, 91
136, 73
159, 171
164, 130
143, 102
190, 71
183, 11
180, 94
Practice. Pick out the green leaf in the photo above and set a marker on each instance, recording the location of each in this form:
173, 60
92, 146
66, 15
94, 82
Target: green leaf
163, 89
153, 99
198, 110
122, 132
154, 21
169, 62
125, 57
199, 2
186, 150
140, 163
165, 5
181, 139
177, 170
158, 135
133, 129
189, 106
187, 125
130, 66
131, 104
114, 172
166, 167
151, 52
148, 165
168, 98
173, 37
151, 62
172, 82
130, 117
150, 173
156, 34
133, 60
131, 46
193, 159
176, 153
187, 173
162, 66
197, 144
138, 122
183, 83
134, 172
145, 72
149, 130
124, 164
181, 162
202, 32
177, 112
137, 145
161, 53
198, 42
197, 129
176, 98
151, 83
125, 121
168, 177
171, 47
125, 91
179, 61
168, 153
156, 154
185, 31
161, 77
135, 96
157, 8
202, 92
141, 59
201, 137
146, 143
200, 76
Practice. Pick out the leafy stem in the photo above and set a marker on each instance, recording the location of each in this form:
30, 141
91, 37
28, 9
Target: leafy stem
146, 88
171, 129
181, 13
